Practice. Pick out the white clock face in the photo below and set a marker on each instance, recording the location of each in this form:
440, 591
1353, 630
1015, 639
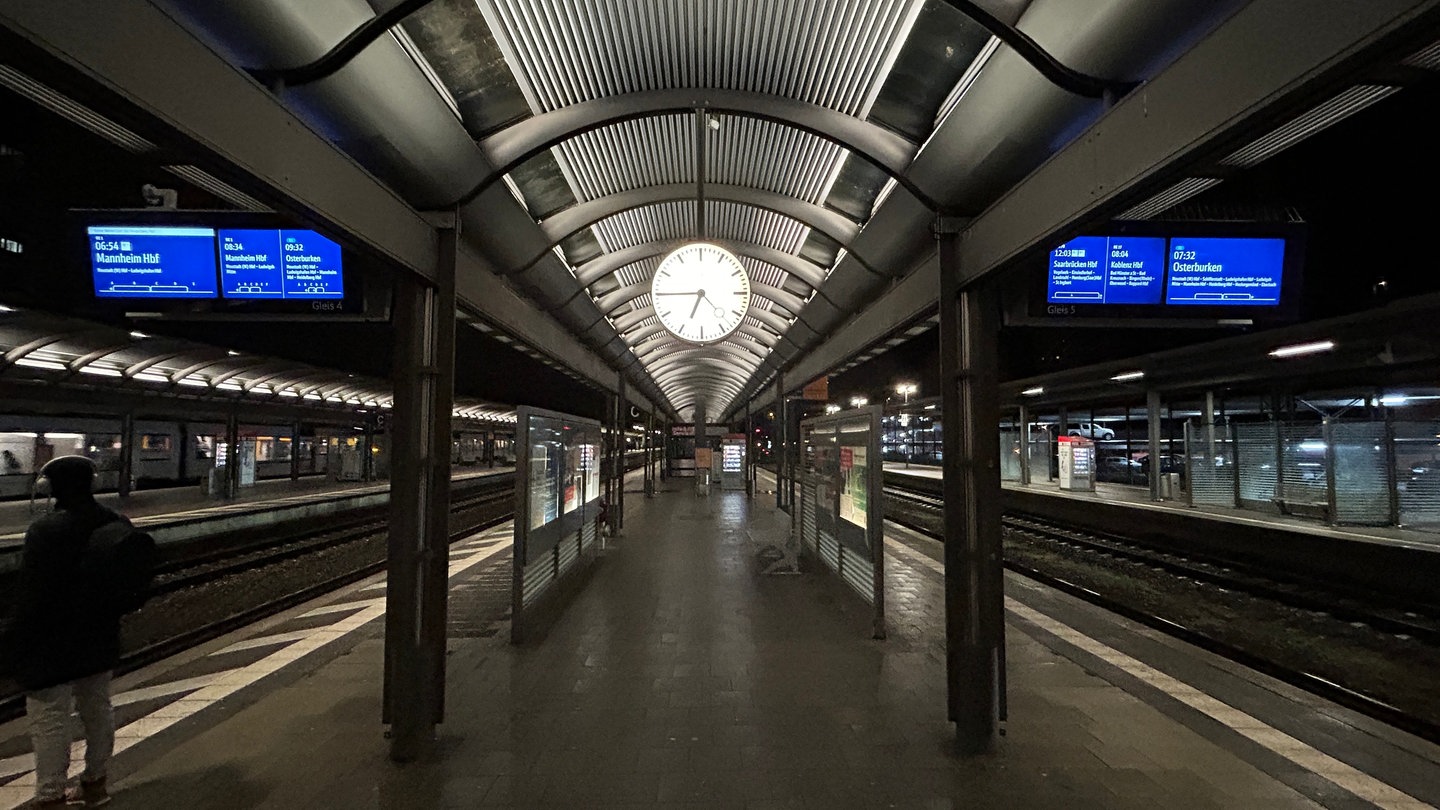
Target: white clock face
700, 293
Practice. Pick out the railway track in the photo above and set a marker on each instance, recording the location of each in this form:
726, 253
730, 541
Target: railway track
1356, 649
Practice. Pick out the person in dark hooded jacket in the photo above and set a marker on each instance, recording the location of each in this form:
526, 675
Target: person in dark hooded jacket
64, 639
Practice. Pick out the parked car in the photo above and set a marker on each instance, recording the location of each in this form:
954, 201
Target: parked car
1089, 430
1121, 470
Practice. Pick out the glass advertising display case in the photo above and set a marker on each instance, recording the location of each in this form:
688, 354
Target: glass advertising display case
1077, 463
732, 462
841, 510
559, 495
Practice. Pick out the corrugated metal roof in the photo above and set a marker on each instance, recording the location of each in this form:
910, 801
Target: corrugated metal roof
564, 52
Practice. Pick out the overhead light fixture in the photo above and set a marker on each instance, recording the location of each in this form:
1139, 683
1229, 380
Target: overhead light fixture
100, 371
139, 335
1128, 376
1033, 392
4, 308
50, 365
858, 402
1299, 349
1394, 400
828, 409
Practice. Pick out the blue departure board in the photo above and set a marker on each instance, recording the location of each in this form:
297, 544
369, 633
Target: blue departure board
144, 261
281, 263
1107, 270
1170, 269
1229, 271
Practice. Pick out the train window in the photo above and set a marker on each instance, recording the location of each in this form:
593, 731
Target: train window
159, 442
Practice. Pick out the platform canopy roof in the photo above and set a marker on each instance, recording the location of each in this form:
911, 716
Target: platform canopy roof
39, 349
818, 140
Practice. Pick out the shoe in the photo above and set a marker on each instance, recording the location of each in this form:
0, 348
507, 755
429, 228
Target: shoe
89, 794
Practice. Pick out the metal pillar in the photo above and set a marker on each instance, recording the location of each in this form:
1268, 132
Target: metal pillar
974, 618
367, 467
1062, 429
1024, 445
749, 440
622, 419
1152, 437
415, 601
294, 452
232, 455
780, 438
127, 453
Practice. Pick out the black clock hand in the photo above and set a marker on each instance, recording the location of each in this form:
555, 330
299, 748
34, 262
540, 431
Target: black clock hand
687, 292
699, 296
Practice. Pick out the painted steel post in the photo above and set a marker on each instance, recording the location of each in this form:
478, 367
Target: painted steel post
622, 419
417, 594
1152, 438
127, 453
1327, 427
780, 441
749, 437
232, 455
974, 617
294, 452
1024, 417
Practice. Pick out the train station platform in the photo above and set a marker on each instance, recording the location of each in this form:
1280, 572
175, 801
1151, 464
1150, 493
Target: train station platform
155, 507
681, 676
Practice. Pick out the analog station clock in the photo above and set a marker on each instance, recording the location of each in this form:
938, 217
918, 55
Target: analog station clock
700, 292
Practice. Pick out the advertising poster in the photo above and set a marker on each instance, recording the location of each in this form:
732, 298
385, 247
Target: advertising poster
542, 489
856, 493
733, 459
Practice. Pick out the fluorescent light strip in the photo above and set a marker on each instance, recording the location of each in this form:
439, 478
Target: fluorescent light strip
101, 371
1300, 349
1128, 376
49, 365
1033, 392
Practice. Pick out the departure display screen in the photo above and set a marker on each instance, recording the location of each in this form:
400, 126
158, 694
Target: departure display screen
1225, 270
1108, 270
186, 261
142, 261
1174, 270
279, 264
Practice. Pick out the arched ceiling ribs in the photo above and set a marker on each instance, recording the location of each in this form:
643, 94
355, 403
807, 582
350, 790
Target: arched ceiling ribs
606, 264
660, 350
638, 336
738, 367
770, 320
577, 217
615, 299
717, 370
512, 146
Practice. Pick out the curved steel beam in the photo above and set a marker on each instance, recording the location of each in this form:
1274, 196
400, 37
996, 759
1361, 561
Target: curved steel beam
657, 349
613, 300
708, 368
340, 55
726, 366
514, 145
775, 323
606, 264
569, 221
1068, 79
638, 337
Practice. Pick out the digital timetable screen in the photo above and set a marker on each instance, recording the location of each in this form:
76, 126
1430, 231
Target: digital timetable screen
279, 264
141, 261
1180, 271
184, 261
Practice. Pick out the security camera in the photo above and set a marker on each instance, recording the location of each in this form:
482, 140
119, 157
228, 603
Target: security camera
159, 197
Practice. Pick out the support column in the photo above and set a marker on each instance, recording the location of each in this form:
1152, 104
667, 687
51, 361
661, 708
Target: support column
780, 438
415, 601
622, 420
1024, 445
367, 465
294, 452
127, 453
974, 618
749, 441
232, 455
1152, 436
